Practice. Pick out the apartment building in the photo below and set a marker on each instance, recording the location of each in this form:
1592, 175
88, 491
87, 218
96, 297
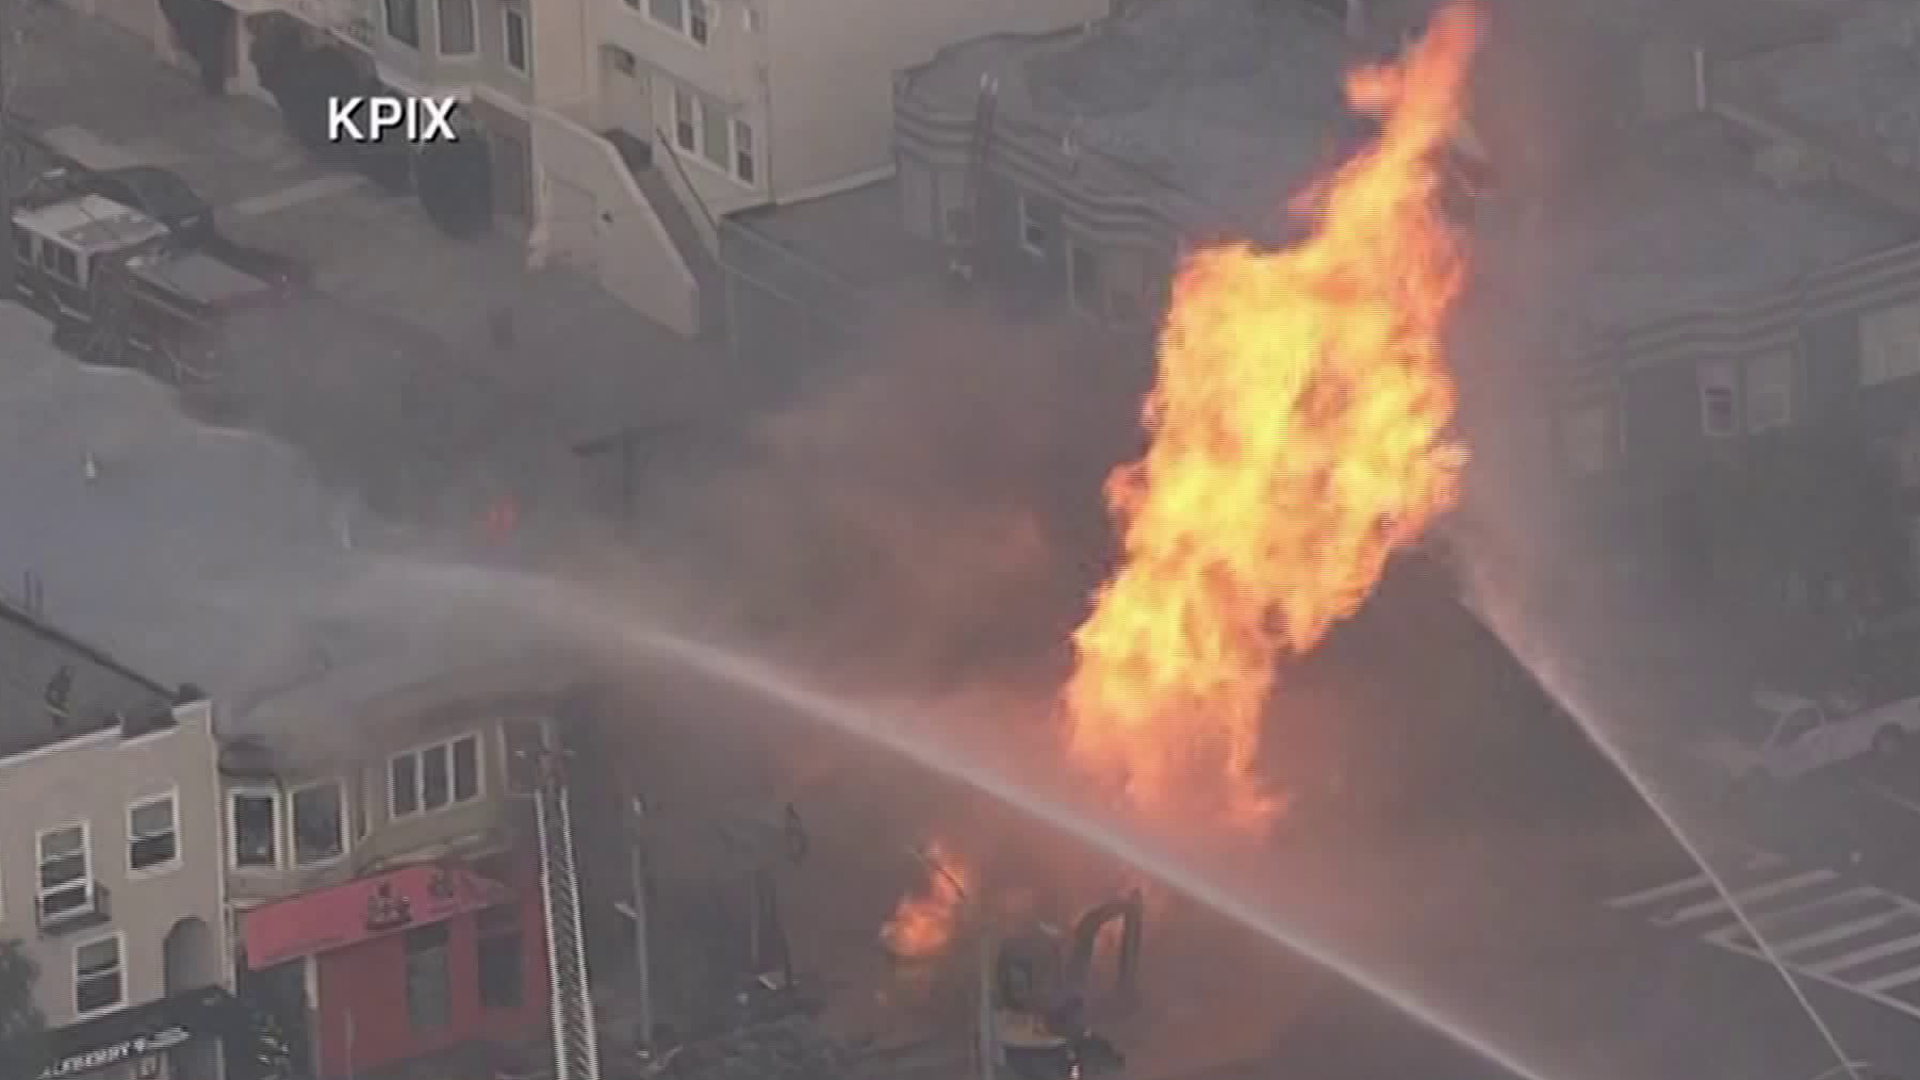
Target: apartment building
1804, 317
386, 892
696, 109
110, 877
1064, 168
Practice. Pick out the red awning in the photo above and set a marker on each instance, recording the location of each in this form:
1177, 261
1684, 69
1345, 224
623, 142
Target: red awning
343, 915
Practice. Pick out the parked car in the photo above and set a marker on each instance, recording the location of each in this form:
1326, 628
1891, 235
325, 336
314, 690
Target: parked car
161, 194
1792, 737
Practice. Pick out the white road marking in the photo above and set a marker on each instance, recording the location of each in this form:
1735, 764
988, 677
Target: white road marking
1862, 956
1660, 892
1844, 931
1891, 982
1728, 905
320, 187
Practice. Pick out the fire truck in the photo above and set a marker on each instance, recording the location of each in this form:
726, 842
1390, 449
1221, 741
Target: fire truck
123, 289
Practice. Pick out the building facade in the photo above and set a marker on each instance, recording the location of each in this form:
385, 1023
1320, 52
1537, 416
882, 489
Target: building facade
110, 877
386, 901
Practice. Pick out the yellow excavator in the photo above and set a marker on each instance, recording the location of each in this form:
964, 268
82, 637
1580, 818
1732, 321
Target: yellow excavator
1045, 997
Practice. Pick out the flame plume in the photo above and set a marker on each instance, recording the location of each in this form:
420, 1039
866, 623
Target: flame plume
1299, 436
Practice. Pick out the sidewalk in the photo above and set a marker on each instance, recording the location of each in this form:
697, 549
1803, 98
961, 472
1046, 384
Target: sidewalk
414, 377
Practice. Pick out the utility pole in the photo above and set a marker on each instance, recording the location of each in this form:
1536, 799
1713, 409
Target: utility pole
642, 957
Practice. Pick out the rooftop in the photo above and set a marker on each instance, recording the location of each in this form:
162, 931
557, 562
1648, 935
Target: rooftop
1232, 103
54, 687
211, 555
1687, 225
91, 222
1862, 80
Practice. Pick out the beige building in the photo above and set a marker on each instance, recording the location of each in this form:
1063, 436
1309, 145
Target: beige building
695, 109
110, 875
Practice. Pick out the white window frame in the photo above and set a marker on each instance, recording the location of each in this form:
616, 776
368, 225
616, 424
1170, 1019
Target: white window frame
172, 799
1890, 343
419, 756
40, 891
1023, 209
697, 120
1760, 390
293, 824
119, 939
273, 797
708, 18
508, 14
1712, 377
440, 30
736, 125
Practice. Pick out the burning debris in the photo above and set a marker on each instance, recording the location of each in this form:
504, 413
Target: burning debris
926, 920
1299, 438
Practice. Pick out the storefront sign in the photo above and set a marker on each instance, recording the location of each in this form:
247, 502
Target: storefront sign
347, 914
114, 1053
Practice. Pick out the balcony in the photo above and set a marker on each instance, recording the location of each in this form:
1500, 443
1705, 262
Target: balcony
78, 906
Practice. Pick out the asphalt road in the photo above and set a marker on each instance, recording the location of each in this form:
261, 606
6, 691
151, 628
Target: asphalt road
1525, 890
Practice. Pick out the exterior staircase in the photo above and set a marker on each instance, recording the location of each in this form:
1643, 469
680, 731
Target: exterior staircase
575, 1042
676, 216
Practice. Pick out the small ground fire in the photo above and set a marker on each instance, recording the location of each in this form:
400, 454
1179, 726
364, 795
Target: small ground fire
1299, 438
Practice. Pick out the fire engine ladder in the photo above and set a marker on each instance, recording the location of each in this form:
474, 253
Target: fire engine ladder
575, 1049
985, 110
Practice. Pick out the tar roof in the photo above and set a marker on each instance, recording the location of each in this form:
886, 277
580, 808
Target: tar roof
1861, 81
211, 556
92, 222
1233, 103
54, 687
1686, 225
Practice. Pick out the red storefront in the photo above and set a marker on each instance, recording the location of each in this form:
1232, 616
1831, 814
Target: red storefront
414, 961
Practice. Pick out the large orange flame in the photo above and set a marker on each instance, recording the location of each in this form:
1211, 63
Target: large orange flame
925, 920
1299, 436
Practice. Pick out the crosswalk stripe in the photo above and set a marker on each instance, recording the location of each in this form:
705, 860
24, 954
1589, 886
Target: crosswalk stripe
1891, 982
1725, 905
1865, 955
1842, 932
1660, 892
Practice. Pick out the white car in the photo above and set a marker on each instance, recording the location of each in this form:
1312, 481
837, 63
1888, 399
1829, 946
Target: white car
1797, 736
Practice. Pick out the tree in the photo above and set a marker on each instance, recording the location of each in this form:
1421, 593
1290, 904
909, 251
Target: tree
23, 1044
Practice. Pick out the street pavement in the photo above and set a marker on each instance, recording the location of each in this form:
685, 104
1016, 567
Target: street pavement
415, 381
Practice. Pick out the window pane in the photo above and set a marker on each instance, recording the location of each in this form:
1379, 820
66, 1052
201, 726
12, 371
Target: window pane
151, 839
428, 989
499, 954
96, 969
69, 841
456, 27
516, 40
403, 21
318, 833
404, 781
435, 783
697, 24
254, 843
684, 132
744, 165
713, 134
466, 769
671, 12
